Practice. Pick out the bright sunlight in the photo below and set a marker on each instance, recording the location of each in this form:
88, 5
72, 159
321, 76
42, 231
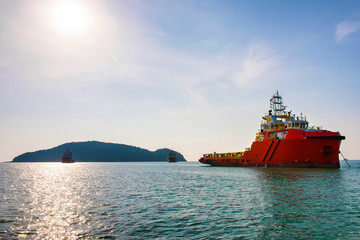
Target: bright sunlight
71, 17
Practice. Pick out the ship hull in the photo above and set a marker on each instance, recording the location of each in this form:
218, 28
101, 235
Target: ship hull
67, 160
300, 148
172, 159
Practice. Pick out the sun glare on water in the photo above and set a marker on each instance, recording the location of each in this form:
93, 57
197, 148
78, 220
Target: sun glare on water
71, 17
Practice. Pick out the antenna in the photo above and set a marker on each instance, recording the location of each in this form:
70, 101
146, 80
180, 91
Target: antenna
276, 103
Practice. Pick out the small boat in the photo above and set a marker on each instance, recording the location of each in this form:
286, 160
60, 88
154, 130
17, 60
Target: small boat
171, 157
67, 157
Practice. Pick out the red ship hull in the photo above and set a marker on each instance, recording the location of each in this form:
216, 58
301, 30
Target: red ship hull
299, 148
67, 160
172, 159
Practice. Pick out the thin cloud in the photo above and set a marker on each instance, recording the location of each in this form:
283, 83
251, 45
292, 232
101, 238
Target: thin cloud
346, 28
258, 61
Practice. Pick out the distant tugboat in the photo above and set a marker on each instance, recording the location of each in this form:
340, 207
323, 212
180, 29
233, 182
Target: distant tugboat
171, 157
67, 157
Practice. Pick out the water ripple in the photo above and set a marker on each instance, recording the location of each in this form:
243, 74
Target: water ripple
176, 201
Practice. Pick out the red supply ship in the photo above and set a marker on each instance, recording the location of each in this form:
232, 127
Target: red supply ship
284, 140
67, 157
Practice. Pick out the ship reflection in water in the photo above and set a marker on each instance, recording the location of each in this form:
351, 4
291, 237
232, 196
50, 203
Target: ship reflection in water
299, 200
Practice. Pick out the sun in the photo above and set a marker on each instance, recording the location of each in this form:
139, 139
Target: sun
70, 17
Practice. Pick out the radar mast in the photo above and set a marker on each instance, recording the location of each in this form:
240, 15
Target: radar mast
277, 105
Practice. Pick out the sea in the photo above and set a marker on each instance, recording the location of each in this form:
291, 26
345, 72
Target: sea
177, 201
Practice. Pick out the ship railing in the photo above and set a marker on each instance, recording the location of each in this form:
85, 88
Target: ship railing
287, 125
227, 154
316, 127
272, 126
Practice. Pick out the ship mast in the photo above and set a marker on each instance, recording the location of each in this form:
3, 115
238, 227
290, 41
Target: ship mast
276, 104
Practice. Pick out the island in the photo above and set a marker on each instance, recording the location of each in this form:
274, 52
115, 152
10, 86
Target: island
94, 151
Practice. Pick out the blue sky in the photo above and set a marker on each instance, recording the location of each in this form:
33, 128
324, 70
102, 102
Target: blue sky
195, 76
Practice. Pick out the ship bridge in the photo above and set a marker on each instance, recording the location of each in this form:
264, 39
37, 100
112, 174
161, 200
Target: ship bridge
278, 118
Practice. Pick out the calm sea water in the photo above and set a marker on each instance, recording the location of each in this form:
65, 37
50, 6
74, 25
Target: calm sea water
177, 201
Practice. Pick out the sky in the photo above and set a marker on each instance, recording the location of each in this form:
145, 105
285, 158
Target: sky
193, 76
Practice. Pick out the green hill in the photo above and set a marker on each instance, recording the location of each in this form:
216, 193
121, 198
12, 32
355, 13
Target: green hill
94, 151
